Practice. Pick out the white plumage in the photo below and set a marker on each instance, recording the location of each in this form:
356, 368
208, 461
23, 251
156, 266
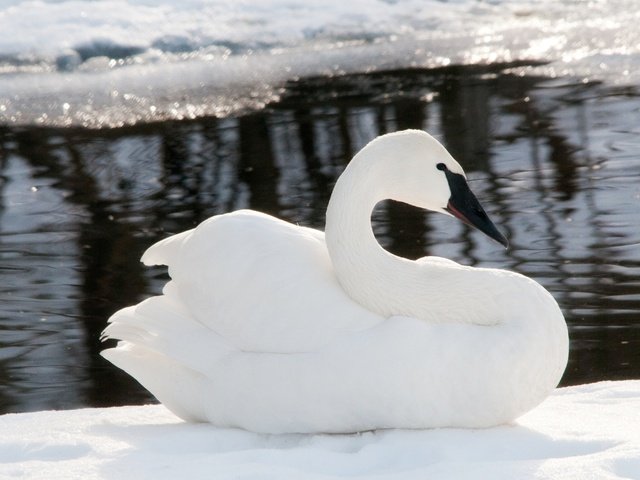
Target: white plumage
268, 327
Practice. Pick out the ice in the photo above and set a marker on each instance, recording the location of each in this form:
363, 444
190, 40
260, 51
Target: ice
588, 431
122, 61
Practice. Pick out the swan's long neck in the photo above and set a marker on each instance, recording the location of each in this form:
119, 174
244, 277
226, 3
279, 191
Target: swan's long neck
433, 290
373, 277
436, 291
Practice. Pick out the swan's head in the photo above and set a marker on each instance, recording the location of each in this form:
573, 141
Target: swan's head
423, 173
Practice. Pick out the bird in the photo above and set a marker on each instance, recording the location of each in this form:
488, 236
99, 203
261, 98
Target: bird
277, 328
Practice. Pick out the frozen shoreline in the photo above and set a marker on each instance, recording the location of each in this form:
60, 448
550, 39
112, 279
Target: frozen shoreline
587, 431
122, 62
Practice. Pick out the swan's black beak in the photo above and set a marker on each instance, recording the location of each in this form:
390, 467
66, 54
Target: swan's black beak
464, 205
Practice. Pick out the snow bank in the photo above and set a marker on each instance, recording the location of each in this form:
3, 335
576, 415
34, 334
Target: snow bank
122, 61
64, 34
589, 431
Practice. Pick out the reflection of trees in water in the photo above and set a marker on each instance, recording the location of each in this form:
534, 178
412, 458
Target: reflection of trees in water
108, 250
284, 161
256, 165
595, 346
6, 401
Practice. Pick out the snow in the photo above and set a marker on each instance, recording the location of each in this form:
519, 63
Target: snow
584, 432
121, 61
71, 31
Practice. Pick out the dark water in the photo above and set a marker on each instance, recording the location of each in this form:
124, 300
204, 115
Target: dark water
555, 162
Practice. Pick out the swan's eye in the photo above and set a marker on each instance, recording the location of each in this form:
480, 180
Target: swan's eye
441, 166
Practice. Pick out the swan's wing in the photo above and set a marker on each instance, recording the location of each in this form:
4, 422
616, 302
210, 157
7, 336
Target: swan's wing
260, 283
242, 282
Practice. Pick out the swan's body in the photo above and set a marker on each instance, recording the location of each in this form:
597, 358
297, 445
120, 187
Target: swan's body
268, 327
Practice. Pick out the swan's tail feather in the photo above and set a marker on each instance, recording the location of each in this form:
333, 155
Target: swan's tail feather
164, 325
135, 325
178, 387
166, 350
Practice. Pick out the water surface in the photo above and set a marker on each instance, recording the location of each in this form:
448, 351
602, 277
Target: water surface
555, 163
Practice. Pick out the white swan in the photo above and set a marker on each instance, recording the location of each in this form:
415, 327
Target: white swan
277, 328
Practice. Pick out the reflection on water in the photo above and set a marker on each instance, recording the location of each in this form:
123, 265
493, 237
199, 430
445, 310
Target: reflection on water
555, 165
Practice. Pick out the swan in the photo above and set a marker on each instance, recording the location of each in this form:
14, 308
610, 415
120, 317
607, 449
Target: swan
278, 328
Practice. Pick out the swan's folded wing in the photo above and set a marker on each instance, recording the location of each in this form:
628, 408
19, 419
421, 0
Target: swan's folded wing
260, 283
164, 251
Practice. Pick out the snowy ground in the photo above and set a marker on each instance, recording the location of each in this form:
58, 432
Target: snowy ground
584, 432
